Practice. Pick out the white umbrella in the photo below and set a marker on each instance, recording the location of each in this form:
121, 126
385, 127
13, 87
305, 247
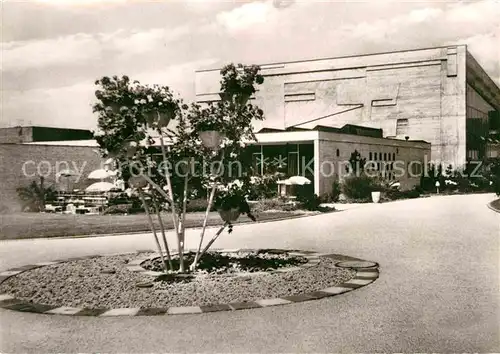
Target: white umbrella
300, 180
100, 174
100, 187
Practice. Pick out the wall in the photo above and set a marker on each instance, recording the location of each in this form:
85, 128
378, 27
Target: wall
403, 151
425, 87
16, 135
47, 159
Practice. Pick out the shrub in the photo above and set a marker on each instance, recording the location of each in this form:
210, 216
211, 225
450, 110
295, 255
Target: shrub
395, 194
264, 187
273, 204
118, 209
311, 203
334, 195
197, 205
306, 197
358, 188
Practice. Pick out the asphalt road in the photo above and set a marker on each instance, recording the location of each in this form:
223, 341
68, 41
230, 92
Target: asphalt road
438, 289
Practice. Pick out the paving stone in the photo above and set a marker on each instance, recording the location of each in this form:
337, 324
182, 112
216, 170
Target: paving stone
152, 312
359, 281
366, 275
8, 302
215, 308
9, 273
4, 278
318, 294
42, 264
125, 311
64, 311
336, 290
272, 302
183, 310
29, 307
350, 285
356, 264
26, 267
91, 312
244, 305
298, 298
4, 297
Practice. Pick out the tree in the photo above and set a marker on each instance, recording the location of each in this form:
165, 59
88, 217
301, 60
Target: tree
357, 163
35, 195
131, 115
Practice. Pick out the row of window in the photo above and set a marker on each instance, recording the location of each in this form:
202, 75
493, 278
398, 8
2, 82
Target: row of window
382, 156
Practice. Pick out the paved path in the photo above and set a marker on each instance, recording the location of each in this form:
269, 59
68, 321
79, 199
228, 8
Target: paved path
438, 289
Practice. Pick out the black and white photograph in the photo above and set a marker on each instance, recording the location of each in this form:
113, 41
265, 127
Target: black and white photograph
249, 176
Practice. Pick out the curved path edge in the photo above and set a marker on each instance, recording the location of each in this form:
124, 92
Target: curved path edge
363, 277
490, 205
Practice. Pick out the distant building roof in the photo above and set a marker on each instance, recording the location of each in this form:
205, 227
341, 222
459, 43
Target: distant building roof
346, 129
27, 134
90, 142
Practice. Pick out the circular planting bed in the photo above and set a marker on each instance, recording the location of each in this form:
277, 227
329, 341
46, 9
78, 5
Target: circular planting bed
134, 284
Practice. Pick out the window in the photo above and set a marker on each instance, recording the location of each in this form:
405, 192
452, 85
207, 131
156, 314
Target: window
394, 156
401, 126
338, 152
472, 154
375, 157
385, 156
370, 156
293, 163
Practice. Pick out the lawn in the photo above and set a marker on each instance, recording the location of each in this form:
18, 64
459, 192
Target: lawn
34, 225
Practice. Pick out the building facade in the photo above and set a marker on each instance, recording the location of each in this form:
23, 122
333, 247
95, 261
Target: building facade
20, 135
322, 155
439, 95
20, 164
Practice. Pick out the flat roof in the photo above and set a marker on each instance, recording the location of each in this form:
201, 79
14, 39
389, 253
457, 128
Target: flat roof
91, 143
348, 56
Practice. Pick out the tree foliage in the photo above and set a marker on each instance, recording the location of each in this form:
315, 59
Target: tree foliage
132, 118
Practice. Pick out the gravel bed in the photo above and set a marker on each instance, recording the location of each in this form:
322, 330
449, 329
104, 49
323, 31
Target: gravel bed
83, 284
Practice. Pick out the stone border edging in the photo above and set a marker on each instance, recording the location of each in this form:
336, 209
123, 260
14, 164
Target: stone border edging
363, 277
490, 205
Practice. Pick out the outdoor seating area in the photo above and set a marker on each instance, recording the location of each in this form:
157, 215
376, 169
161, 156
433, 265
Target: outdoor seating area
78, 202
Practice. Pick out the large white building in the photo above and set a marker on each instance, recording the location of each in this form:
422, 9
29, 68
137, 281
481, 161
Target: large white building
440, 95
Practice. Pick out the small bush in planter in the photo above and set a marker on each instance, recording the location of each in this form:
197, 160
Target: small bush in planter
358, 188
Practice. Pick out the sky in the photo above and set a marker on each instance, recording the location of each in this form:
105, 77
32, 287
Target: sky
52, 51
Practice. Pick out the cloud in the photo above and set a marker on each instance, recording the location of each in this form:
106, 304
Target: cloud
247, 15
82, 48
71, 105
57, 51
75, 3
164, 42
